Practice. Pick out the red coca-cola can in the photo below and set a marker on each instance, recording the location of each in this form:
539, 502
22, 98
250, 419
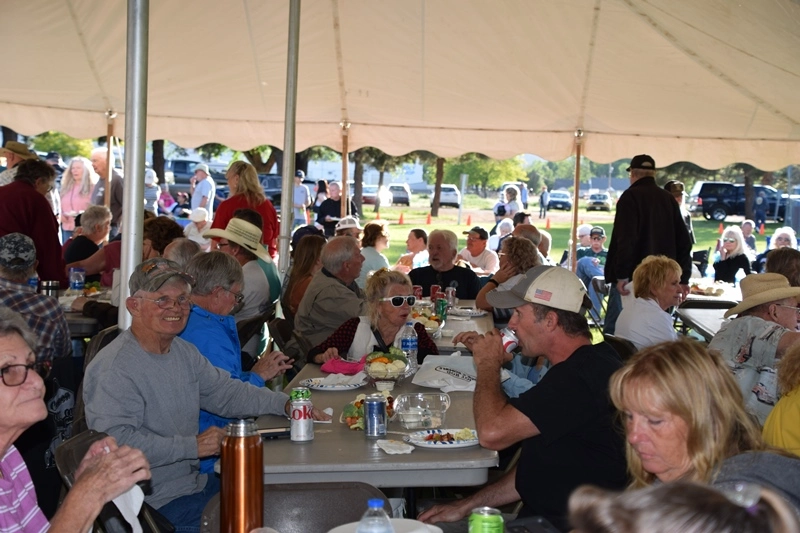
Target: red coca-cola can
418, 291
435, 289
510, 341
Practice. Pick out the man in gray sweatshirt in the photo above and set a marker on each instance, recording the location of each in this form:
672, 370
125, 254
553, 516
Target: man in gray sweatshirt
147, 387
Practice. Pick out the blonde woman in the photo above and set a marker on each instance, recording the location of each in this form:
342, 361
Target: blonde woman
77, 183
733, 256
246, 192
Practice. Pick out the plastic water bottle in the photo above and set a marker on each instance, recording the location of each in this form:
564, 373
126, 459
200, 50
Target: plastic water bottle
33, 282
375, 520
409, 343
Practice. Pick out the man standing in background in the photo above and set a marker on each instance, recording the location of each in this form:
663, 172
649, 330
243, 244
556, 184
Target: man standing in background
100, 164
301, 199
544, 199
203, 189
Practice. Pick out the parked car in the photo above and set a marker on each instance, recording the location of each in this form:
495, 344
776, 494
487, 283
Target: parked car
370, 192
271, 183
717, 200
450, 196
401, 193
600, 201
560, 200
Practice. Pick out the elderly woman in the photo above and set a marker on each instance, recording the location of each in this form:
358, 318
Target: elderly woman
733, 256
212, 329
389, 296
77, 182
656, 285
504, 228
517, 256
104, 473
784, 237
95, 225
685, 419
512, 205
373, 243
246, 192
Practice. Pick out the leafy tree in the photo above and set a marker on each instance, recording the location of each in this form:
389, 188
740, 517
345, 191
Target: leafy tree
383, 163
485, 172
53, 141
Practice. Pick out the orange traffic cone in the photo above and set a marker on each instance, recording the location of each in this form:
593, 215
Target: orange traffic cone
761, 229
428, 220
378, 215
400, 221
720, 228
469, 220
547, 226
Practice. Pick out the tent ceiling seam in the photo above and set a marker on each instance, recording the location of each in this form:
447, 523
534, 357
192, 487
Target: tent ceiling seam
704, 63
337, 46
587, 75
422, 61
87, 55
260, 81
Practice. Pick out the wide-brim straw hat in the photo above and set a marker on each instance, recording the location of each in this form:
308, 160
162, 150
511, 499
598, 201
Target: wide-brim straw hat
19, 149
242, 233
760, 289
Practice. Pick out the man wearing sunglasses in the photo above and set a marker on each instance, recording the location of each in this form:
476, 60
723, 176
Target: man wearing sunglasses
591, 262
147, 387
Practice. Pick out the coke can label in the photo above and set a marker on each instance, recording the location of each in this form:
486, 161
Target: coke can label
302, 425
510, 341
434, 291
418, 291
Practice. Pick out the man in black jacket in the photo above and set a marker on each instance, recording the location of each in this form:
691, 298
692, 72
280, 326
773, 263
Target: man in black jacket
648, 222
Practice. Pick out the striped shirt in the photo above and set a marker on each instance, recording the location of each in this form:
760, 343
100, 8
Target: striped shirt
19, 511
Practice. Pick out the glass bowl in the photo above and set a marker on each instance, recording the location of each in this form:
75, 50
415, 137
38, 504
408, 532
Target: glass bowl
422, 410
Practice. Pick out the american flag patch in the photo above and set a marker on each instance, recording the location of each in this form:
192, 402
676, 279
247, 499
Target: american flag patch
542, 295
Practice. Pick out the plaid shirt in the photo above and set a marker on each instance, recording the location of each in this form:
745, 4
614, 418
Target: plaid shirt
43, 315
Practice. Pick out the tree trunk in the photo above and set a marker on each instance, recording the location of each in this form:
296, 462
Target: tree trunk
378, 195
158, 158
437, 189
748, 196
255, 159
358, 181
9, 135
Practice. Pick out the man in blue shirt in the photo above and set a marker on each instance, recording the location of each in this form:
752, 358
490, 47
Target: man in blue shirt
591, 262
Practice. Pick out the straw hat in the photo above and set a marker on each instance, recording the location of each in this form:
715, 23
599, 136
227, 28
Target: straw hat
19, 149
244, 234
760, 289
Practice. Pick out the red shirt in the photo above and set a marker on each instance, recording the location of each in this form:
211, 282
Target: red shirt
270, 229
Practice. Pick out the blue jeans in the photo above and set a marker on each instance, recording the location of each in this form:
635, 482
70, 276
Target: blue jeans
585, 269
613, 310
185, 512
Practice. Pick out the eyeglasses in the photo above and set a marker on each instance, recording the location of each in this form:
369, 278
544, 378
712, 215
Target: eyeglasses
397, 301
728, 240
15, 375
165, 302
796, 309
238, 295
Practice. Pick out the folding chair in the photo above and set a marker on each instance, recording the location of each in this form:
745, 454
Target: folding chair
623, 347
102, 339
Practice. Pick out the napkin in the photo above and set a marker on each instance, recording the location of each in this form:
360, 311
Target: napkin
394, 447
450, 373
129, 504
340, 366
343, 379
328, 411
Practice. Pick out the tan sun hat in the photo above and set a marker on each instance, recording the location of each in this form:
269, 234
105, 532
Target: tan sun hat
244, 234
19, 149
760, 289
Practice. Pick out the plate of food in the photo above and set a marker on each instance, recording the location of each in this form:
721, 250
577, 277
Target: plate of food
353, 412
390, 366
466, 311
443, 438
319, 384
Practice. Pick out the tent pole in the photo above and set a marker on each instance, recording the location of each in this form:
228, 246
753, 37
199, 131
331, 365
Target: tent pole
135, 135
345, 164
290, 123
110, 116
574, 233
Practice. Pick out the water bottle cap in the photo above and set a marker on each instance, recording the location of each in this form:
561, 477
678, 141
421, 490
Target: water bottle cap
375, 502
410, 323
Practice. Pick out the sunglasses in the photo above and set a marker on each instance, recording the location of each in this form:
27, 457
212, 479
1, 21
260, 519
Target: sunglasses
597, 238
728, 240
397, 301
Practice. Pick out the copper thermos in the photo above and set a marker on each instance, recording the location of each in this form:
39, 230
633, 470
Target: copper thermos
242, 473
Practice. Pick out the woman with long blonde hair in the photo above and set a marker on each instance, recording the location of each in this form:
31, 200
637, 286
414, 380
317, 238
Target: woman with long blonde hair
77, 183
246, 192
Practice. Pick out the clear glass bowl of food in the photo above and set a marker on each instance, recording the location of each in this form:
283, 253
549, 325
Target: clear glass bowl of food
422, 410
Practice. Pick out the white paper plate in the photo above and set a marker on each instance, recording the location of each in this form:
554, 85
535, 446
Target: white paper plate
418, 439
400, 525
316, 384
466, 311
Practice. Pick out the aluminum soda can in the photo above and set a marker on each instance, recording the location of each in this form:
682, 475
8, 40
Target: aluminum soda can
242, 478
302, 426
418, 291
435, 289
300, 393
375, 416
441, 308
510, 341
486, 520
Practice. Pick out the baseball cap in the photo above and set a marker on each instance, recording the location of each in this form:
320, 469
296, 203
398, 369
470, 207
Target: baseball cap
348, 223
203, 167
199, 214
597, 230
482, 233
19, 149
17, 252
674, 187
584, 229
150, 275
302, 231
150, 177
643, 161
299, 174
550, 286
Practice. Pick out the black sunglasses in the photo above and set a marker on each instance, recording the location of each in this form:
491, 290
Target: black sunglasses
397, 301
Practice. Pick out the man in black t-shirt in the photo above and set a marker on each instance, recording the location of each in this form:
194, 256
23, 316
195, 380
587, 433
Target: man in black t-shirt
330, 210
443, 270
565, 423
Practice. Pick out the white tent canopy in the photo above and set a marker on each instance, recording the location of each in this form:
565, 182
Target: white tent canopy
707, 81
